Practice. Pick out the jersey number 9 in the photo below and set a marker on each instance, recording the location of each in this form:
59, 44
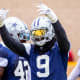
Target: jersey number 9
43, 66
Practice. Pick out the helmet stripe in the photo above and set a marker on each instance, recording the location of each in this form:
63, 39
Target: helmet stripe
34, 23
38, 21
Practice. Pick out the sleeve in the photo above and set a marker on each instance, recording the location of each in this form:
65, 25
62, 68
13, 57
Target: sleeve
3, 62
75, 72
3, 58
61, 37
11, 43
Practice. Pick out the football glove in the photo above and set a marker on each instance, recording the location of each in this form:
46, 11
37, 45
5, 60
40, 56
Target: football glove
43, 9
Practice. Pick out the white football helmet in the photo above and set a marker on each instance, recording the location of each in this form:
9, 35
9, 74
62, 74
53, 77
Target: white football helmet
42, 31
17, 29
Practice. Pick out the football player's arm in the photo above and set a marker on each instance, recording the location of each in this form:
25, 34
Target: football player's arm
1, 72
61, 37
11, 43
59, 31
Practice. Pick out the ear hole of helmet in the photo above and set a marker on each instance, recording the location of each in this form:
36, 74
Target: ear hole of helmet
11, 34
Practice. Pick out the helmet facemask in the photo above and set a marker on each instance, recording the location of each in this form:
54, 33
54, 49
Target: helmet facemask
38, 36
24, 36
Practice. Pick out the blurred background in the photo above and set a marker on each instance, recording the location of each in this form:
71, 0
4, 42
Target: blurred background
68, 12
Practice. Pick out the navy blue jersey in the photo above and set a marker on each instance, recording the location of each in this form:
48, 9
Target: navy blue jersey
17, 68
51, 65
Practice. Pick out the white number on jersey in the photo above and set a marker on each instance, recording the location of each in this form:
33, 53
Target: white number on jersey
43, 66
19, 70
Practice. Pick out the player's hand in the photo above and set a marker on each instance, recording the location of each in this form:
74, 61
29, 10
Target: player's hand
3, 15
43, 9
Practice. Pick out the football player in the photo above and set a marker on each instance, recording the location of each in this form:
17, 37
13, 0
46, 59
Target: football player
48, 55
76, 71
12, 66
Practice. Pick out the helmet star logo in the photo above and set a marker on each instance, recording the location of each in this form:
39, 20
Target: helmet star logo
14, 24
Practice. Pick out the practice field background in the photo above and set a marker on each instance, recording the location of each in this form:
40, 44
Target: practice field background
68, 12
